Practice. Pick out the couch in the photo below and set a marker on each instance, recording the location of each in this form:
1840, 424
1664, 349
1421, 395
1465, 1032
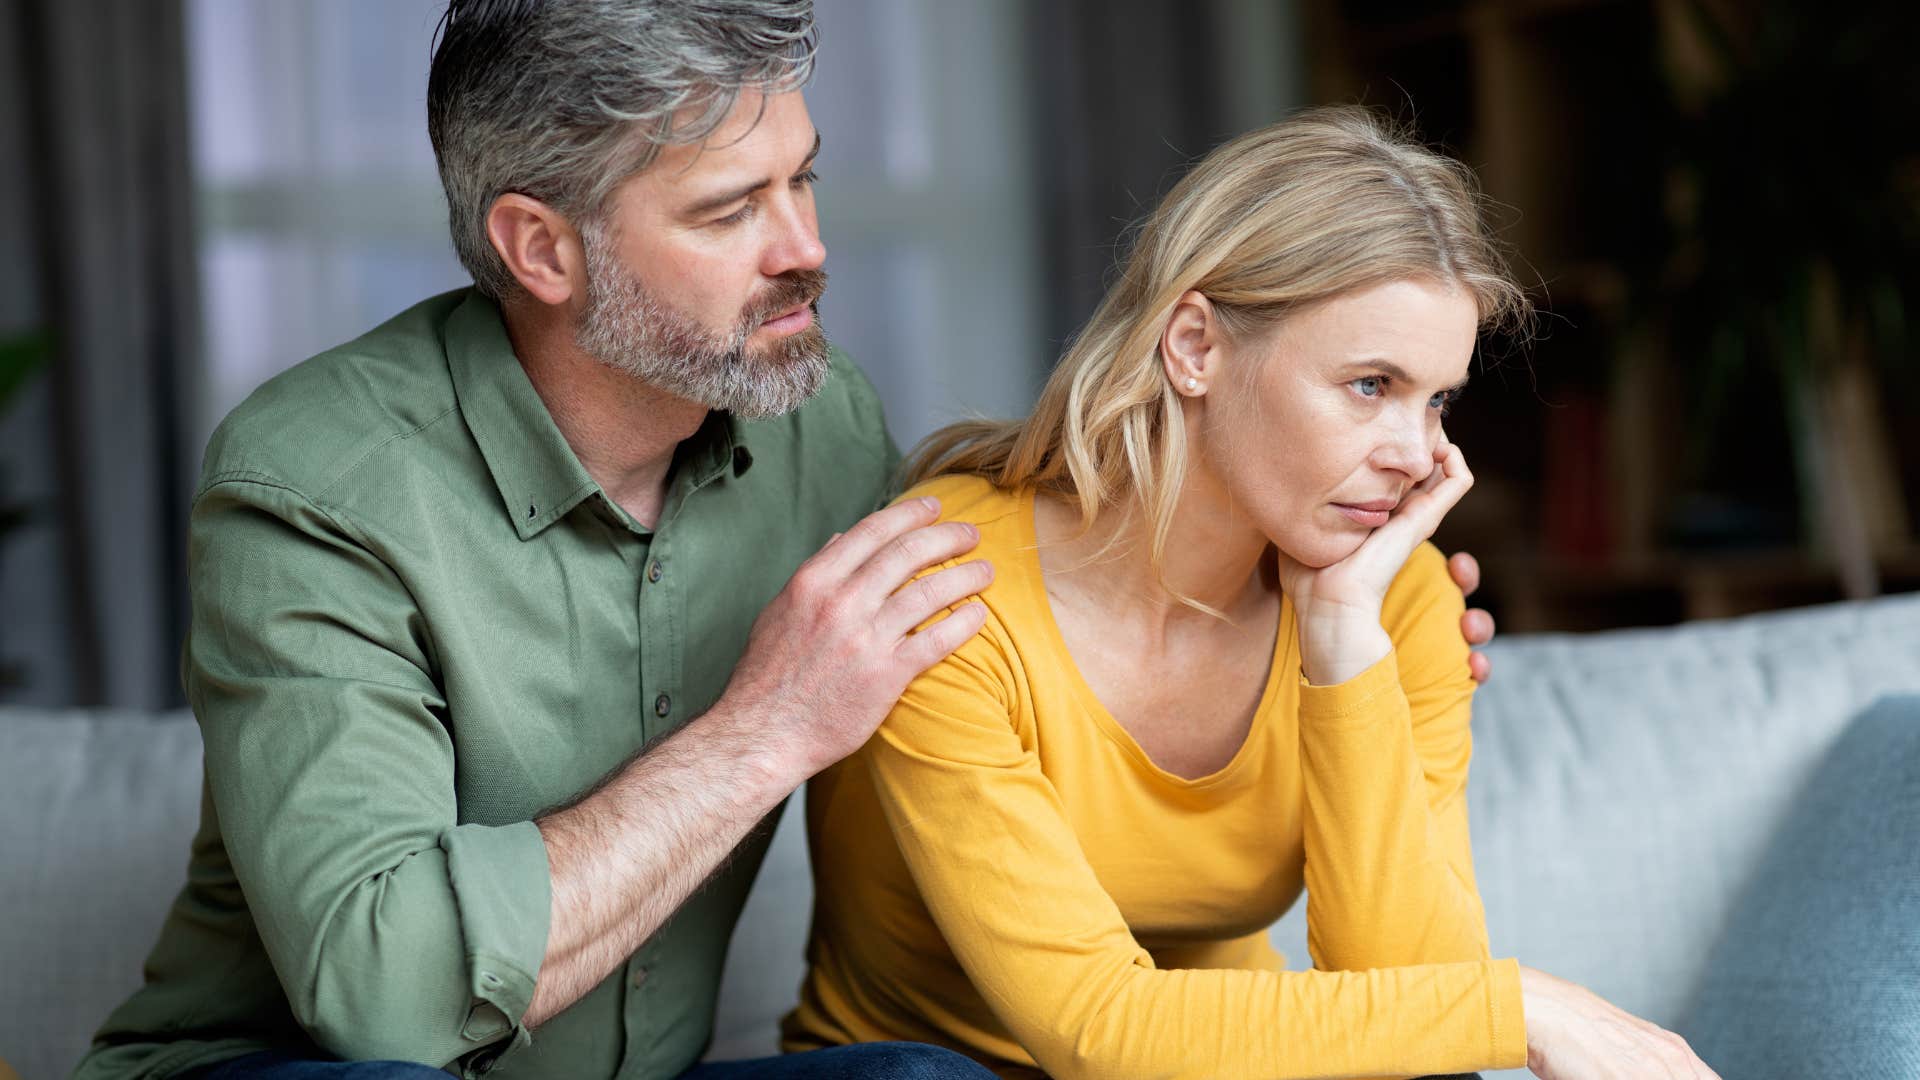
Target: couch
1624, 787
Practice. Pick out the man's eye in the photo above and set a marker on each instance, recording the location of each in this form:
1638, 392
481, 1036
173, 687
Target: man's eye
806, 179
1443, 401
735, 218
1369, 385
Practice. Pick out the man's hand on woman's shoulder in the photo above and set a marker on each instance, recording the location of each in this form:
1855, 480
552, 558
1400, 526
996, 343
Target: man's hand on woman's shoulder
1476, 625
836, 648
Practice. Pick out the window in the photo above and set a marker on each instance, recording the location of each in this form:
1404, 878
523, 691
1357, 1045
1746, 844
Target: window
321, 213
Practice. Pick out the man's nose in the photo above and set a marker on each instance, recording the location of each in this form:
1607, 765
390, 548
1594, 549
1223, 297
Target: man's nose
795, 243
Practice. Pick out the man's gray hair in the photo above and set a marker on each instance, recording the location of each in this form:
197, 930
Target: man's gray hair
561, 100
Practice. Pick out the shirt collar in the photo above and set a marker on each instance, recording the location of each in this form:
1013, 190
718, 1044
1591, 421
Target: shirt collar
538, 476
718, 448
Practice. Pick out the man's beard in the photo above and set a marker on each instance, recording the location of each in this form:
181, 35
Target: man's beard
628, 330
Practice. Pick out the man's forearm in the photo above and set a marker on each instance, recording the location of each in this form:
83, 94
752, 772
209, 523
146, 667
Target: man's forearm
626, 857
841, 636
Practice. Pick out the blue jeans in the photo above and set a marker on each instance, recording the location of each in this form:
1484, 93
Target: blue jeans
891, 1060
886, 1061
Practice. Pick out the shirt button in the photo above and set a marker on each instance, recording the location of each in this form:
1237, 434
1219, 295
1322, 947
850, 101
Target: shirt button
661, 705
653, 571
638, 978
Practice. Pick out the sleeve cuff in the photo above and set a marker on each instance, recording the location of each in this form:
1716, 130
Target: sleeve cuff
1506, 1015
502, 886
1355, 699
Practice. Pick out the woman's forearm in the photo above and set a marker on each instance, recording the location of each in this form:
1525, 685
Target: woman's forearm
1388, 866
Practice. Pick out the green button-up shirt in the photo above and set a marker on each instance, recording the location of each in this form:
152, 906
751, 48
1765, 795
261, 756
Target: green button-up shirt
418, 624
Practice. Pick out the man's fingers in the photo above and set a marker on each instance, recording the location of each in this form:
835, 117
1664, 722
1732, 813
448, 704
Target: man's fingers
928, 647
1465, 571
908, 554
922, 598
843, 556
1476, 625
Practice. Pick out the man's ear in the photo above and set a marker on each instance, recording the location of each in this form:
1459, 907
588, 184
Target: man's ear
541, 249
1190, 344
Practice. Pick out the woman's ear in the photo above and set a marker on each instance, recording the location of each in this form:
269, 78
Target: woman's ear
1190, 345
541, 249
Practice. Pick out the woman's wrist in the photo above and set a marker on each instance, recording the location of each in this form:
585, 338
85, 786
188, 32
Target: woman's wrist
1335, 648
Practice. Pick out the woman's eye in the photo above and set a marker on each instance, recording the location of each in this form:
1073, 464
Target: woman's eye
806, 179
1369, 385
1443, 401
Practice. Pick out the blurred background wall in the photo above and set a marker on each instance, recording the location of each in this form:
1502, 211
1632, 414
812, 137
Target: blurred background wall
1714, 202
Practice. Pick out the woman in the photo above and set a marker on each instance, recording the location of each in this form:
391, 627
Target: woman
1219, 663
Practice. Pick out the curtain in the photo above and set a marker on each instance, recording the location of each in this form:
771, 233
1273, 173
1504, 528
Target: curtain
1127, 93
104, 139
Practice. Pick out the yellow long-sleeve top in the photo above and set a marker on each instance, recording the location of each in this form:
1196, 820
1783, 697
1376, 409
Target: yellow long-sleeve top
1004, 871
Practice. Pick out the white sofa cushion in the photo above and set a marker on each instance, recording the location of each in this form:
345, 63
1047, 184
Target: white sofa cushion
96, 812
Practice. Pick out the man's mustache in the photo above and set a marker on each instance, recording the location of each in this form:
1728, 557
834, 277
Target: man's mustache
791, 288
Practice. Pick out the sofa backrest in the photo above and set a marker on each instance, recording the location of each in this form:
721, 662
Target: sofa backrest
96, 813
1623, 785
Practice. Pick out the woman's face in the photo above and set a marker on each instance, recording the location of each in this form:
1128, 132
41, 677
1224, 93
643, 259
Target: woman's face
1317, 428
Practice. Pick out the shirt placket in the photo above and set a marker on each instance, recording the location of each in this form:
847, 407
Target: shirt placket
659, 611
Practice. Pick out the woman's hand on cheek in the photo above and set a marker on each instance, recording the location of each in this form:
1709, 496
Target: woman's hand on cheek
1338, 606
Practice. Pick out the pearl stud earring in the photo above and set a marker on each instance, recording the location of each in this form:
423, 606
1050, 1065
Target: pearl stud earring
1193, 383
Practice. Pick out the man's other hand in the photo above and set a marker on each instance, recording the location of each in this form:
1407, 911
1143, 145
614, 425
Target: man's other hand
1476, 625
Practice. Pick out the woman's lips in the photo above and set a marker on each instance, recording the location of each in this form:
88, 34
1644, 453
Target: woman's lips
1361, 515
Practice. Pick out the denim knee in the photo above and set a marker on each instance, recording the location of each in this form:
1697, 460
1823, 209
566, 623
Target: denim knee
268, 1065
918, 1061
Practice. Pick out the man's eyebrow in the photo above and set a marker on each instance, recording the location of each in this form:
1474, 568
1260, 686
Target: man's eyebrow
1398, 373
709, 205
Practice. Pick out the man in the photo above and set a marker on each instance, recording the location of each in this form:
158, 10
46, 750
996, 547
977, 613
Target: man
605, 507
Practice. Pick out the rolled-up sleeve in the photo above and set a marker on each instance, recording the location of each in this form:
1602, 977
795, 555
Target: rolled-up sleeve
397, 930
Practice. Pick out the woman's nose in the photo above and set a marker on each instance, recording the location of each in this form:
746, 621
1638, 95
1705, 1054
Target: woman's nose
1407, 448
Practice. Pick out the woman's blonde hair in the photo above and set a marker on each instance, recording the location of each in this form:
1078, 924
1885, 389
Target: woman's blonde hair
1330, 200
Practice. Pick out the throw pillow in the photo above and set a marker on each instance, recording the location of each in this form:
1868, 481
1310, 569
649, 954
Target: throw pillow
1817, 973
